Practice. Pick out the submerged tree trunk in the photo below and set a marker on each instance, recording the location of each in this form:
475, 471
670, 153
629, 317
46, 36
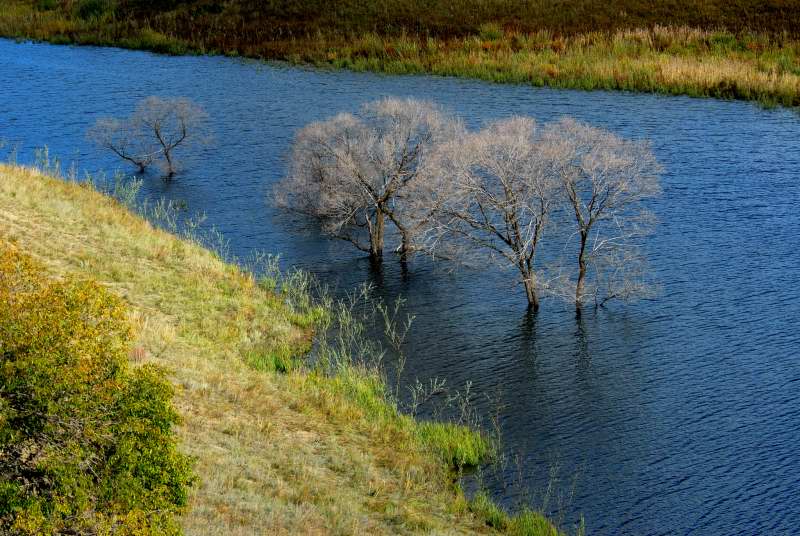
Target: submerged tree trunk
376, 236
405, 246
170, 165
530, 292
581, 273
528, 281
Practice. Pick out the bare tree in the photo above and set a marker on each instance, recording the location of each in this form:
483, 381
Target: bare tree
173, 123
156, 129
492, 195
352, 173
127, 142
605, 180
503, 192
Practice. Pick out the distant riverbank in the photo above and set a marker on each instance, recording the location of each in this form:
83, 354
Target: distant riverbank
660, 53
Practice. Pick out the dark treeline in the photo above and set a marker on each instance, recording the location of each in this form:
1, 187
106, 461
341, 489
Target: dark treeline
257, 20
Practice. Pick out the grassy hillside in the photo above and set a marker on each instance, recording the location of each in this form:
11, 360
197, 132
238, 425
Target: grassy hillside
277, 453
744, 49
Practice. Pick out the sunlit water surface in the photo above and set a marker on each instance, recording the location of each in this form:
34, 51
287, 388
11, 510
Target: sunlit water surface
673, 416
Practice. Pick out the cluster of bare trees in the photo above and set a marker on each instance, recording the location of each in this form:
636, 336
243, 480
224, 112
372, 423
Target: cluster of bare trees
153, 133
501, 194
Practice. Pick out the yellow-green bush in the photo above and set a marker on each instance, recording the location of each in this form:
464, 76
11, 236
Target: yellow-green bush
86, 441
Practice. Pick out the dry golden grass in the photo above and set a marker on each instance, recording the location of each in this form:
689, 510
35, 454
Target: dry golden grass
675, 60
276, 453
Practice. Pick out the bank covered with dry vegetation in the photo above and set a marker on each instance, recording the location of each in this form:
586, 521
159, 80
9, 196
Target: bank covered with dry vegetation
735, 50
277, 446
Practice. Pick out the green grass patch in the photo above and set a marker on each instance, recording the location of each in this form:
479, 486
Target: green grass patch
525, 523
457, 445
280, 444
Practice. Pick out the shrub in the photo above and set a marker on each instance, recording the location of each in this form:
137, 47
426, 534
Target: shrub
86, 442
151, 6
490, 31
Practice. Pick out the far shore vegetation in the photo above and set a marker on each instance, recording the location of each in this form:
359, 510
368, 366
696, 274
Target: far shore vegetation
278, 445
744, 49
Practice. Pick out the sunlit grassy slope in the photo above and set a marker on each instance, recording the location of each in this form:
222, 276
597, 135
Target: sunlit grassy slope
277, 453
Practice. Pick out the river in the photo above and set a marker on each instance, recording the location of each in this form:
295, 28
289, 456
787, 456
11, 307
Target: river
678, 415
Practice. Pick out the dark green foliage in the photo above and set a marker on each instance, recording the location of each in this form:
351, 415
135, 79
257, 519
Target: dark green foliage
151, 6
94, 9
86, 442
446, 18
46, 5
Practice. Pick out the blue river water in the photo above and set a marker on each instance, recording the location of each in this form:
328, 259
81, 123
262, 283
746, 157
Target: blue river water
678, 415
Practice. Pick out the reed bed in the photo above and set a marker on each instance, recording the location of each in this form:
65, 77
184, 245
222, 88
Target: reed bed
685, 61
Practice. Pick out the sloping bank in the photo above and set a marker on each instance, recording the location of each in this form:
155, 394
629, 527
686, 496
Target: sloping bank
297, 452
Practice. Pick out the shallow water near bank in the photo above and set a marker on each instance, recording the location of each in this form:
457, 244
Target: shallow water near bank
678, 415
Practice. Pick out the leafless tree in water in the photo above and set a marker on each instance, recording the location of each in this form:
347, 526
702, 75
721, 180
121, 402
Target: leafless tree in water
122, 139
154, 132
502, 190
493, 195
605, 181
352, 173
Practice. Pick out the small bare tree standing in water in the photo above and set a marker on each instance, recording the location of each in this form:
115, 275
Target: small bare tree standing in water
156, 129
353, 173
119, 137
605, 180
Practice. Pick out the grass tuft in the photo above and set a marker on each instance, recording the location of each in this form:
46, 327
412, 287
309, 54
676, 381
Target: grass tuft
456, 445
525, 523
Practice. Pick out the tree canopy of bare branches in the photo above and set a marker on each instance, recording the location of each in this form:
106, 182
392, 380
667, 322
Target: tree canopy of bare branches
154, 132
501, 193
514, 187
352, 173
128, 143
563, 204
605, 180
